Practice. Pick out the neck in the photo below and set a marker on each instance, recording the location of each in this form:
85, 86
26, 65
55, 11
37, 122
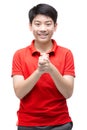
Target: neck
43, 47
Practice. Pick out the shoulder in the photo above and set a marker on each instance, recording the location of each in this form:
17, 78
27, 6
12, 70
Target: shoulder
60, 48
22, 51
64, 50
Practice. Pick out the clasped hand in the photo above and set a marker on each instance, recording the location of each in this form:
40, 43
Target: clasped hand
44, 63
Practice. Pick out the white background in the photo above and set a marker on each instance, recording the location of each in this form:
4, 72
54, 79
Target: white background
15, 34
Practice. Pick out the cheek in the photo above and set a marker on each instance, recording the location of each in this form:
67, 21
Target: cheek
51, 31
34, 32
35, 29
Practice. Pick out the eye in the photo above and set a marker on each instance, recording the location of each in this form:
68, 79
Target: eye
37, 24
48, 23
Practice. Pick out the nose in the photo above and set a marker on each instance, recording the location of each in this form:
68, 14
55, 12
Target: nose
42, 27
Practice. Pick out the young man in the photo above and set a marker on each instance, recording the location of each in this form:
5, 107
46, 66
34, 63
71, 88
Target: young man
43, 75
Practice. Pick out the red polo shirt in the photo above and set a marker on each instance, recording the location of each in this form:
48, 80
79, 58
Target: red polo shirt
44, 105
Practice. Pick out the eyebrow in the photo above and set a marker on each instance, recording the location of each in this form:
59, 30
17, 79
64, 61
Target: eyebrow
40, 21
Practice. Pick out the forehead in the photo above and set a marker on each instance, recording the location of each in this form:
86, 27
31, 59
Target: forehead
41, 17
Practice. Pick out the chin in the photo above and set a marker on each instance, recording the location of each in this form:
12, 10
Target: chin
43, 40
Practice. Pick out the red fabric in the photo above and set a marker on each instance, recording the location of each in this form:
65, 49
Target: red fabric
44, 105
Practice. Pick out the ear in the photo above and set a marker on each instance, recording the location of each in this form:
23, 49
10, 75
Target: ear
55, 26
30, 26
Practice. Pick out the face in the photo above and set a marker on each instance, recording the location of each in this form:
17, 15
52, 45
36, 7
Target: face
43, 28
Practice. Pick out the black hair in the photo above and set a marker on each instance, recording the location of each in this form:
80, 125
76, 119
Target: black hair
43, 9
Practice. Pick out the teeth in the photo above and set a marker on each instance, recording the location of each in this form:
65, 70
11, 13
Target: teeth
42, 34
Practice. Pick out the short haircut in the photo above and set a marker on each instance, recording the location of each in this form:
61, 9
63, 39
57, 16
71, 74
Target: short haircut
43, 9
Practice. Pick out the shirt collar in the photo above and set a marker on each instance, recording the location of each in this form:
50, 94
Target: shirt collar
50, 52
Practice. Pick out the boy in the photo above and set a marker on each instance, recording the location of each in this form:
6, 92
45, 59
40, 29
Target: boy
43, 75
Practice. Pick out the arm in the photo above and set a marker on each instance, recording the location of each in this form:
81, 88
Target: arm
23, 87
64, 84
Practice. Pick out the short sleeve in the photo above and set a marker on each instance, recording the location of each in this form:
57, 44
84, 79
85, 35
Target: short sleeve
16, 64
69, 67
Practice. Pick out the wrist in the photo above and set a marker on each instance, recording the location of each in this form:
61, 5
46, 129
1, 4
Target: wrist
38, 72
51, 68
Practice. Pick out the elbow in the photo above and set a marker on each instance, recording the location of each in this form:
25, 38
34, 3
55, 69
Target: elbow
18, 96
69, 95
69, 92
18, 93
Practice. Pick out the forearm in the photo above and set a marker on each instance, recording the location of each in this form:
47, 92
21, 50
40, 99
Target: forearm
23, 87
64, 84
